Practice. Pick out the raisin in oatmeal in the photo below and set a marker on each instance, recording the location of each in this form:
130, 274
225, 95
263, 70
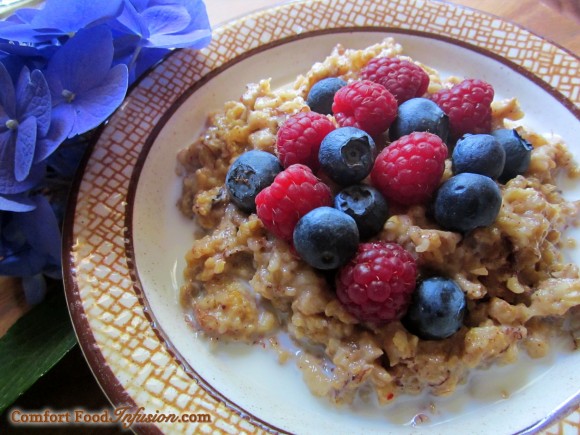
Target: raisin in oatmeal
242, 283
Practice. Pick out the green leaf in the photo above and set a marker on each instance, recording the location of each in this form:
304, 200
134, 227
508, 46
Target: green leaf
35, 343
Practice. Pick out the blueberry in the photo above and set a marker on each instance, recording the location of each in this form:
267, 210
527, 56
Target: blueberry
321, 95
365, 205
419, 114
248, 175
347, 155
437, 309
478, 154
518, 153
467, 201
326, 238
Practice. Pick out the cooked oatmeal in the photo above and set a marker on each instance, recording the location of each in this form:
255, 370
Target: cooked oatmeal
242, 283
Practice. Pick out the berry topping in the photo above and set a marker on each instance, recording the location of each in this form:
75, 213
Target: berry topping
294, 192
518, 153
299, 138
408, 171
366, 105
420, 114
347, 155
468, 105
403, 79
326, 238
377, 284
467, 201
437, 309
479, 154
321, 95
366, 206
248, 175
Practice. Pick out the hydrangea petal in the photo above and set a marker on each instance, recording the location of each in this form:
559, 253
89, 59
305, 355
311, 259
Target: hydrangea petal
53, 271
18, 259
42, 229
7, 141
12, 242
12, 63
29, 241
25, 15
7, 94
41, 51
8, 183
66, 159
21, 84
61, 124
71, 15
125, 45
4, 118
82, 61
166, 19
56, 87
34, 99
195, 39
140, 5
34, 288
21, 32
17, 56
198, 13
22, 264
18, 28
166, 23
196, 34
95, 106
16, 203
25, 145
131, 21
147, 58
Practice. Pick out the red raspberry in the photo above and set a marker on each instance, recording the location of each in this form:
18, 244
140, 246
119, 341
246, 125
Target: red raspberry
377, 284
408, 171
365, 105
403, 79
294, 192
299, 138
468, 105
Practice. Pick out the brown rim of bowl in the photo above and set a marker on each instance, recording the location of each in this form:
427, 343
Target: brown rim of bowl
106, 378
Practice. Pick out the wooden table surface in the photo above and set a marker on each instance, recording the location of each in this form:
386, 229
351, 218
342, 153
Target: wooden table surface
556, 20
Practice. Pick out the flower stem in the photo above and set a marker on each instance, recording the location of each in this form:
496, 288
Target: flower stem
133, 61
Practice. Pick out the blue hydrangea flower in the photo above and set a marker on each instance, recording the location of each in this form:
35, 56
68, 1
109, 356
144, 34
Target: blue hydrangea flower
35, 288
146, 30
166, 23
13, 63
85, 89
17, 203
27, 133
63, 163
64, 69
30, 241
16, 56
69, 16
17, 26
138, 59
57, 18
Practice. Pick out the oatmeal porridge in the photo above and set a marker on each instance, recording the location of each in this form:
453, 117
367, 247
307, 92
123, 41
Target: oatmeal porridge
245, 283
